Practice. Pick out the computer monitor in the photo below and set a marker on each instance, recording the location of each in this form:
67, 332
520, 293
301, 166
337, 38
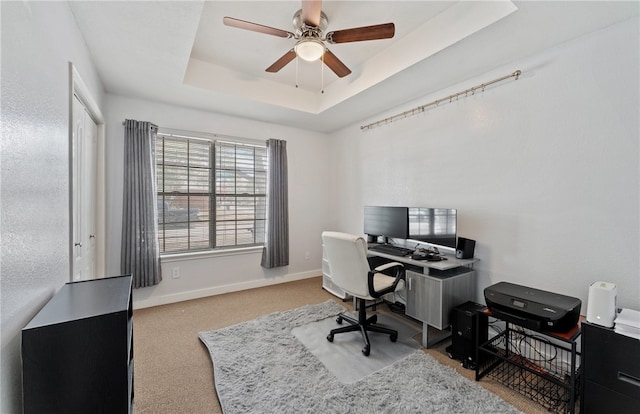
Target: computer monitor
386, 221
433, 225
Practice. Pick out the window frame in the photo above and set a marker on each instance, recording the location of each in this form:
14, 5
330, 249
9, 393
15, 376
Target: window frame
213, 140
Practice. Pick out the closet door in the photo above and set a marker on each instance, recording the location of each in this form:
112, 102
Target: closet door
84, 183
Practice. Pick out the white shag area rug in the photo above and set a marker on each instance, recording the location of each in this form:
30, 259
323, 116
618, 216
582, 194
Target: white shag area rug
261, 367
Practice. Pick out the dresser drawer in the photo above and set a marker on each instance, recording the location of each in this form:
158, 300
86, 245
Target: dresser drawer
611, 360
600, 400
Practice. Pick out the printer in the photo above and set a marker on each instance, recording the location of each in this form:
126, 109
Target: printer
534, 309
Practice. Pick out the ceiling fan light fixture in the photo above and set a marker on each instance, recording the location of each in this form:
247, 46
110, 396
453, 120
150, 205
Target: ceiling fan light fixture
309, 49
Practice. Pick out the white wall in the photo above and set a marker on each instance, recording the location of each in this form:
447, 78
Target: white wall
308, 162
38, 41
544, 171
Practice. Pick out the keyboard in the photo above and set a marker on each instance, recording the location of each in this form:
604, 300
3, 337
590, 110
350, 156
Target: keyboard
391, 249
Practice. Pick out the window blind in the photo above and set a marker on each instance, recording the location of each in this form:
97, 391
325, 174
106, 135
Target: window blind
211, 194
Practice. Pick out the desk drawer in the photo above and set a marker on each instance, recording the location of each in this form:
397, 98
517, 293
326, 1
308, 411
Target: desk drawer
430, 298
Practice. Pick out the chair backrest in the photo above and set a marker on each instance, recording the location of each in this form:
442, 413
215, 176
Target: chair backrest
348, 265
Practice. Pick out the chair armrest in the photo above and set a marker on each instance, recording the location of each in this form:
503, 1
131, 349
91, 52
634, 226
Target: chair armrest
386, 266
398, 275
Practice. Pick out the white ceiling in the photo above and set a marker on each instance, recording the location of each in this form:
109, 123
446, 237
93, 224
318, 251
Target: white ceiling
181, 53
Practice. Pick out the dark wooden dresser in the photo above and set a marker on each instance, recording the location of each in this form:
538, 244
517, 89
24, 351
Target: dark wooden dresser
77, 352
610, 371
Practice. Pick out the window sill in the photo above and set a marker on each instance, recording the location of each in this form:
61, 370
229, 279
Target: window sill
177, 257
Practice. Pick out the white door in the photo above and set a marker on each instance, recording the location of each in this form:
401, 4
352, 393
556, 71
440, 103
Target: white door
84, 181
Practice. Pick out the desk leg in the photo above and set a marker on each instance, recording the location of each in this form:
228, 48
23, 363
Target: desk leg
436, 339
425, 335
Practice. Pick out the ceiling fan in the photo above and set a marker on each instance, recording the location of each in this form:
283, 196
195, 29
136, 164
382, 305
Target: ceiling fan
310, 23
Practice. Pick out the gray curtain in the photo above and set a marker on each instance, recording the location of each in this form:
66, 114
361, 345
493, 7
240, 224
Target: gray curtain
140, 252
276, 248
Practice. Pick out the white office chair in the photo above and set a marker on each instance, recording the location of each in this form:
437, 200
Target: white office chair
350, 270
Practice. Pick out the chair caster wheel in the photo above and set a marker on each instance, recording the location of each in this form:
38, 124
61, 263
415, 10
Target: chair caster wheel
330, 337
339, 320
374, 319
393, 337
366, 350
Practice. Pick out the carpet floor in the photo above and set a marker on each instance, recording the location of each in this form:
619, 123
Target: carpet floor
173, 370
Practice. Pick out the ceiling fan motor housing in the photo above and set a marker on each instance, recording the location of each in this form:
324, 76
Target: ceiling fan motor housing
303, 30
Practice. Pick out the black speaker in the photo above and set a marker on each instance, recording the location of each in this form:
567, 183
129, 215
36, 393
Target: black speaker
464, 318
465, 248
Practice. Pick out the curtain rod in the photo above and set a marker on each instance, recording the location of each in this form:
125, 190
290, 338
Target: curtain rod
421, 108
152, 125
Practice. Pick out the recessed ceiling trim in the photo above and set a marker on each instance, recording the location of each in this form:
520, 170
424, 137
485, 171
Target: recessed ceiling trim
217, 78
447, 28
453, 24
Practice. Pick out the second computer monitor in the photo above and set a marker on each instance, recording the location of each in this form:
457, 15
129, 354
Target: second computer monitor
433, 225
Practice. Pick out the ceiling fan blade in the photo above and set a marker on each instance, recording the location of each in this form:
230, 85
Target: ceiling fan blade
311, 12
255, 27
358, 34
282, 62
335, 64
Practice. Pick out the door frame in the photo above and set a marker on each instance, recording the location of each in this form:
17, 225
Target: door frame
78, 88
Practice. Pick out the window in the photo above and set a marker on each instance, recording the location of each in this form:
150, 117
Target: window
211, 193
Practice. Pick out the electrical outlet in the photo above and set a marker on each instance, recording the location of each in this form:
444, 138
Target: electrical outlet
175, 273
307, 256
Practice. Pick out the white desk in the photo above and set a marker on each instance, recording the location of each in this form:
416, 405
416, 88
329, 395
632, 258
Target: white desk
434, 288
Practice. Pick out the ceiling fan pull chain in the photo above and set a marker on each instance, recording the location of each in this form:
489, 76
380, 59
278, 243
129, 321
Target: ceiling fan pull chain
297, 71
322, 74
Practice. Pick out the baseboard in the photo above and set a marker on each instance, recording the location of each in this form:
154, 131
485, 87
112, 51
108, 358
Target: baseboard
219, 290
